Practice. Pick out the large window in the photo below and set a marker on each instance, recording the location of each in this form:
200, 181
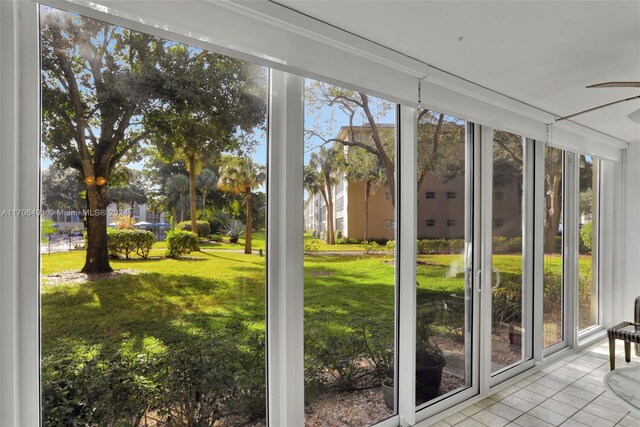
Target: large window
509, 332
145, 322
553, 208
349, 266
443, 304
588, 290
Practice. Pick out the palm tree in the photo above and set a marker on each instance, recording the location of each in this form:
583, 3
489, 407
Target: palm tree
176, 189
241, 175
206, 182
320, 177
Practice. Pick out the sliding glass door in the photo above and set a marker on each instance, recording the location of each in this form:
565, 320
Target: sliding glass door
444, 300
510, 331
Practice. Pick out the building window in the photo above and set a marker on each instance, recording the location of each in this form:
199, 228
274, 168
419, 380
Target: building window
431, 194
430, 222
499, 195
498, 222
451, 194
389, 223
387, 195
451, 223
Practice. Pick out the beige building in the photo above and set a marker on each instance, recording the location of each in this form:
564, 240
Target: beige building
440, 204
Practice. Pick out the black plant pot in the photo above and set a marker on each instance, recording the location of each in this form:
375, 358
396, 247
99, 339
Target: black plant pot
428, 380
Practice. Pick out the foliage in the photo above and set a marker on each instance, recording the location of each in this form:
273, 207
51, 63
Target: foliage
240, 175
356, 357
320, 175
218, 221
180, 242
427, 353
46, 228
370, 247
234, 230
131, 191
98, 80
204, 229
311, 246
350, 241
126, 241
586, 237
391, 245
365, 131
62, 189
194, 383
215, 237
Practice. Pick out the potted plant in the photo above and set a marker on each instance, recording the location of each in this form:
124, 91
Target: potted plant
430, 360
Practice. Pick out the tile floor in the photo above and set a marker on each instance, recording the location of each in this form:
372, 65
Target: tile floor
568, 393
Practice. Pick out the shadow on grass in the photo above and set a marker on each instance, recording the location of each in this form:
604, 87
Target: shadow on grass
168, 308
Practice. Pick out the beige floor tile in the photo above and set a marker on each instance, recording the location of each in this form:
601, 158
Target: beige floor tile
607, 413
455, 418
529, 396
559, 407
547, 415
470, 422
517, 403
629, 421
591, 420
470, 410
570, 400
505, 411
527, 420
542, 390
490, 419
578, 392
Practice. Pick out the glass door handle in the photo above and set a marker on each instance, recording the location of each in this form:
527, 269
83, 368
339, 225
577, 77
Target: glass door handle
495, 270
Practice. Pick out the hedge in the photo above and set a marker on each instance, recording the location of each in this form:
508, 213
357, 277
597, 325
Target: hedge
204, 229
127, 241
501, 245
180, 243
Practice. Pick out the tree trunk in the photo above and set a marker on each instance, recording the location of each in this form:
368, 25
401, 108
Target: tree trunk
367, 191
331, 237
249, 229
553, 212
204, 204
192, 194
97, 257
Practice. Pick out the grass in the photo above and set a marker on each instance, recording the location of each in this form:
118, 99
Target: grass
174, 300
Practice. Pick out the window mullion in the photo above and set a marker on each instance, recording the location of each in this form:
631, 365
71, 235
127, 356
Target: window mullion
285, 343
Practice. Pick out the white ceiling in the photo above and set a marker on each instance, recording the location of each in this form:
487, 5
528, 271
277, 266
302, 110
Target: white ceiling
542, 53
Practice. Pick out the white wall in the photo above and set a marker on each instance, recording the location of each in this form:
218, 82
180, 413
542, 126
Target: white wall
631, 232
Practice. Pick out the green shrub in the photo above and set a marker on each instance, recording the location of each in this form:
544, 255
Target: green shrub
196, 382
180, 243
215, 237
391, 245
507, 245
234, 229
586, 237
370, 247
311, 246
127, 241
338, 234
351, 241
204, 229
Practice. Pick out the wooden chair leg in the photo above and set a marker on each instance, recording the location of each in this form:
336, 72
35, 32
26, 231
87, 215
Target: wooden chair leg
612, 353
627, 351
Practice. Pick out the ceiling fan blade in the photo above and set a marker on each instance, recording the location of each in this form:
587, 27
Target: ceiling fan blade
635, 116
616, 84
597, 108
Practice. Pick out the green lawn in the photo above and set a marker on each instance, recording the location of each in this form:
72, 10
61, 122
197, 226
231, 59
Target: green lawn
214, 301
